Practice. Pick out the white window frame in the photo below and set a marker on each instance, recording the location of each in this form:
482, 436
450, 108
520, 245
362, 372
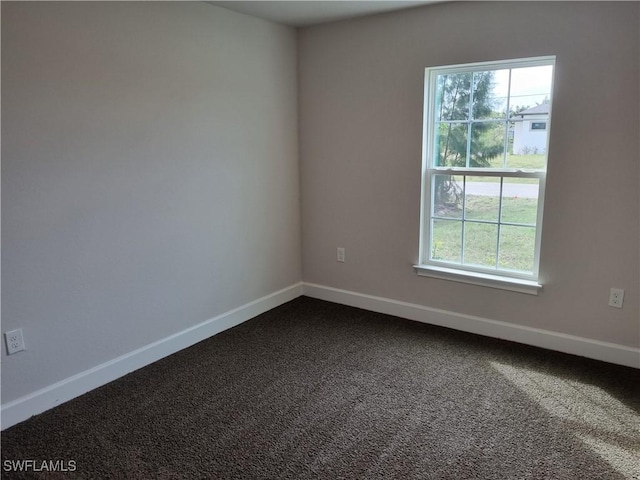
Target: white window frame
490, 277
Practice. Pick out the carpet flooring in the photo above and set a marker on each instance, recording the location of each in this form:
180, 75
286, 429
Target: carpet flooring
313, 389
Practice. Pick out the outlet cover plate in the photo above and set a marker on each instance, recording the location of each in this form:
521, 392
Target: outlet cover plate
616, 297
15, 341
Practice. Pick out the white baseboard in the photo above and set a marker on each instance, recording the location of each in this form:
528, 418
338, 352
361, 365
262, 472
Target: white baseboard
584, 347
44, 399
41, 400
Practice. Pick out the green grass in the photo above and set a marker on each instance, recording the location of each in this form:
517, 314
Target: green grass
482, 208
516, 242
523, 161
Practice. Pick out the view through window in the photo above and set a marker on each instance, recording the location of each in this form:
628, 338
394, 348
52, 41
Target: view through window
486, 137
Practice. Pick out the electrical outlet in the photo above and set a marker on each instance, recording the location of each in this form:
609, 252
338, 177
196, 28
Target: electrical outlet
616, 297
341, 254
15, 342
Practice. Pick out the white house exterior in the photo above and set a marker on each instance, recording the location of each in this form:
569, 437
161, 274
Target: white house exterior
530, 134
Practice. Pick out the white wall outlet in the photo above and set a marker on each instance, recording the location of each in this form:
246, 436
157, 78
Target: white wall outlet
341, 254
616, 297
15, 342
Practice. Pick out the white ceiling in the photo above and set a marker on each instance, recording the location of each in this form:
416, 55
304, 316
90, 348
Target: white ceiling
300, 13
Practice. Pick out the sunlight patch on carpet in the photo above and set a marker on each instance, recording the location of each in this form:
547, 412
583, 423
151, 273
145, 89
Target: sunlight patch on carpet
600, 421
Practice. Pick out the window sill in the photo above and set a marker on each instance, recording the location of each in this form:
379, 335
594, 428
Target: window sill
483, 279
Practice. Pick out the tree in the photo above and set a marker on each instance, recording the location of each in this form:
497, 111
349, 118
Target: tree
485, 140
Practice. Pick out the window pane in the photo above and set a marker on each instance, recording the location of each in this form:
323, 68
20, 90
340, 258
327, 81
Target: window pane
529, 145
452, 96
447, 196
517, 248
529, 106
446, 240
490, 91
527, 148
520, 200
482, 198
487, 145
451, 145
530, 86
480, 244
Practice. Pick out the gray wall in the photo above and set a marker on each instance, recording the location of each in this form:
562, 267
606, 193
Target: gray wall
361, 92
149, 176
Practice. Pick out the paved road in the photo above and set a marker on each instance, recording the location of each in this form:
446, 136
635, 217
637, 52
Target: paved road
488, 189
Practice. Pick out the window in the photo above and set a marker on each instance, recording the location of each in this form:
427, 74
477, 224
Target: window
483, 173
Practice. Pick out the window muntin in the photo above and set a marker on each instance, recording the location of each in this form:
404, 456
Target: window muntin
483, 203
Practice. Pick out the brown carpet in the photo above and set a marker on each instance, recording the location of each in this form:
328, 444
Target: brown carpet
313, 389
